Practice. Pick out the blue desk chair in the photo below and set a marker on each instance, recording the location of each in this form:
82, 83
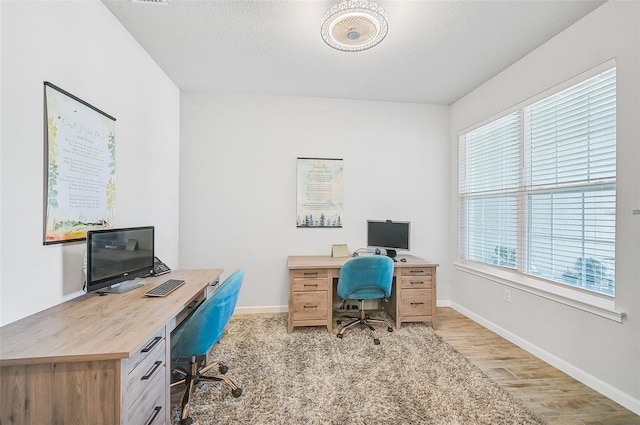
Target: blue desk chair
365, 278
195, 336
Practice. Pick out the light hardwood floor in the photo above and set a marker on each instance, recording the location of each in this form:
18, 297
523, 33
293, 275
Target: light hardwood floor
556, 396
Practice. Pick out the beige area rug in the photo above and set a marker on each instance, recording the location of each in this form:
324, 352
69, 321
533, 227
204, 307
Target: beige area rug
312, 377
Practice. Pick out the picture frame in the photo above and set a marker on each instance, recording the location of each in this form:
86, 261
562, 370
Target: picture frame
79, 167
319, 192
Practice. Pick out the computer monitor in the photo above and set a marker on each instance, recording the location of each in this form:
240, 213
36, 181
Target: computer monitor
389, 235
117, 255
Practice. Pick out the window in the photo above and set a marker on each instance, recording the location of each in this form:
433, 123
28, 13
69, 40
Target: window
537, 187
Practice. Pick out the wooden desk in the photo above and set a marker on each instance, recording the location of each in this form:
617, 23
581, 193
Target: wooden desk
311, 286
97, 359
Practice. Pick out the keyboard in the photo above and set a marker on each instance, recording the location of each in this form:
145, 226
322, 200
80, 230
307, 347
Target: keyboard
165, 288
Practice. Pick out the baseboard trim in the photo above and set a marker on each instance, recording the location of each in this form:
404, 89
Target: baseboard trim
589, 380
261, 309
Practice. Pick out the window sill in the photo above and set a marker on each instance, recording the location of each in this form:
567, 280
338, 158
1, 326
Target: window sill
567, 296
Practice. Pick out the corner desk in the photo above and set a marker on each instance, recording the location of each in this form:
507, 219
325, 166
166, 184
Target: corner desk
100, 360
311, 290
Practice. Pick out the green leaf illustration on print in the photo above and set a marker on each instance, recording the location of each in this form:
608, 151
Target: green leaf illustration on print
53, 167
112, 153
111, 194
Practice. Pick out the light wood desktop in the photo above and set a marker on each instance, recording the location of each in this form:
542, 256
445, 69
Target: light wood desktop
311, 288
97, 359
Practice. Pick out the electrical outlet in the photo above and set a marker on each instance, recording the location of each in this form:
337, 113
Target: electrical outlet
507, 295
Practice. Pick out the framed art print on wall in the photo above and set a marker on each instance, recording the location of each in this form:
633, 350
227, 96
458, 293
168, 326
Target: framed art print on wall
319, 192
79, 167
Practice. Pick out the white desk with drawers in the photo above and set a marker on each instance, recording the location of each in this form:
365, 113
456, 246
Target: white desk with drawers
100, 360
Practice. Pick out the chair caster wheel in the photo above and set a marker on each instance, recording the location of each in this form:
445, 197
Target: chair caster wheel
237, 392
376, 341
187, 421
390, 329
223, 369
339, 322
340, 336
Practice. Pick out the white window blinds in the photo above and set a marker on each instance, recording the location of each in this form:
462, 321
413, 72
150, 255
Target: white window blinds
537, 187
489, 184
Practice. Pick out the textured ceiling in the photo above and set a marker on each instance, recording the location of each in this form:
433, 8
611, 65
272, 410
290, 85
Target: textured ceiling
435, 51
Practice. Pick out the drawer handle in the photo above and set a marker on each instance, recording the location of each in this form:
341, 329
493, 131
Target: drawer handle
156, 412
310, 306
310, 273
417, 282
153, 370
416, 271
310, 284
416, 303
152, 344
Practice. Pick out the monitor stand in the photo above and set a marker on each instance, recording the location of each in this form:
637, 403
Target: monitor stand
120, 288
391, 253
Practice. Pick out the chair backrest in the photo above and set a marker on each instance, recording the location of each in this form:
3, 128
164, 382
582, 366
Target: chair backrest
204, 327
366, 277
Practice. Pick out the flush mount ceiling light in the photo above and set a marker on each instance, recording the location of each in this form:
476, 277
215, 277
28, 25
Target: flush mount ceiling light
354, 25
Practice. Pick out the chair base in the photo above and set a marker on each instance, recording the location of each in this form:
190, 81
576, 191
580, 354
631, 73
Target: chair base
362, 319
193, 376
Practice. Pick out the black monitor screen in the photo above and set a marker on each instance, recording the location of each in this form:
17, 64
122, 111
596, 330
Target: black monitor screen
388, 234
116, 255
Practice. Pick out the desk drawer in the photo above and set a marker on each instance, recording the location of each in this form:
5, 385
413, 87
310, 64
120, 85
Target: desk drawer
416, 282
154, 345
191, 307
416, 302
145, 373
309, 305
310, 273
416, 271
302, 285
150, 408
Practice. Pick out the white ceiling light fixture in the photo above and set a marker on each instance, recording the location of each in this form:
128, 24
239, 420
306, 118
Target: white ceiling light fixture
354, 25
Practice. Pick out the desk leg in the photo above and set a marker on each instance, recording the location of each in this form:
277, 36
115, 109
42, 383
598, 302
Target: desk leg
332, 287
290, 317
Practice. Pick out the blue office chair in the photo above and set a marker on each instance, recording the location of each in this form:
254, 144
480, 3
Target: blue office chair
365, 278
195, 336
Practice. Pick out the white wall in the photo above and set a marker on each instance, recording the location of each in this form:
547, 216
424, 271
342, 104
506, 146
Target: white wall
601, 352
238, 181
82, 48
